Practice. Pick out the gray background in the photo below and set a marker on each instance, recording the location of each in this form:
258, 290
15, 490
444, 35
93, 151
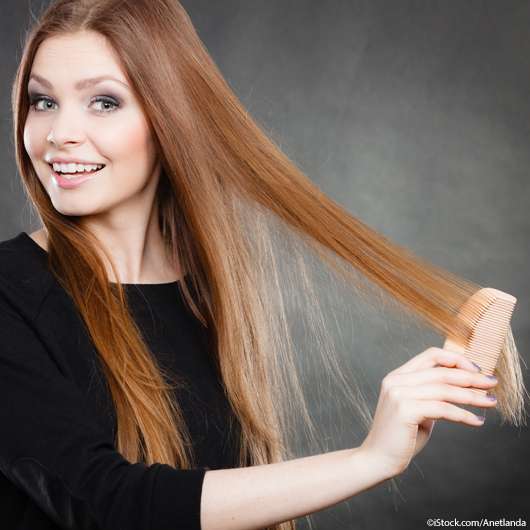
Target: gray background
415, 115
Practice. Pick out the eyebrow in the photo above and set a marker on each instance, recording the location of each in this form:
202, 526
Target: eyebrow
80, 85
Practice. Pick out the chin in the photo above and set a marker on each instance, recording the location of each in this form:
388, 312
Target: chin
73, 207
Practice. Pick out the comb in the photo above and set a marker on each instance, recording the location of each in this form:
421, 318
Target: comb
488, 312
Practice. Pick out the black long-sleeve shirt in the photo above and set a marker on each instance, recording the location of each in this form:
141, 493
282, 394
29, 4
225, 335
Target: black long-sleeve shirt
59, 467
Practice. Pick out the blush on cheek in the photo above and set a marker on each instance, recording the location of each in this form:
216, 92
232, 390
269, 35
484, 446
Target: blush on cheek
129, 145
130, 136
32, 143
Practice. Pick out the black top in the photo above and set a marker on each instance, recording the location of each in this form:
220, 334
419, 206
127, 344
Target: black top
59, 467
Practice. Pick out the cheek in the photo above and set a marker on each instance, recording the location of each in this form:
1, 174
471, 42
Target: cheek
34, 140
36, 148
127, 145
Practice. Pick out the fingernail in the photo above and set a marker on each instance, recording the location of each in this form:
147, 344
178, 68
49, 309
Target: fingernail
480, 418
492, 377
491, 397
476, 366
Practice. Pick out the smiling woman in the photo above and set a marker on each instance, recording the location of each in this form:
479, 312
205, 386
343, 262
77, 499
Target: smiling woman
110, 394
94, 118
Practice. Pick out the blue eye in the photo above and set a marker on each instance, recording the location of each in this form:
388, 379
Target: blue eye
105, 100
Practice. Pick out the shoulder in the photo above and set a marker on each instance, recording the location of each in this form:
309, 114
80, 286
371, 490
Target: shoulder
24, 275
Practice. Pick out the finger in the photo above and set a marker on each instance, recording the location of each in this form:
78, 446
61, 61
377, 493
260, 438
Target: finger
440, 410
448, 393
437, 357
441, 374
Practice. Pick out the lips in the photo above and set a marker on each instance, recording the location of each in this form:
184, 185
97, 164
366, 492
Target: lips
72, 182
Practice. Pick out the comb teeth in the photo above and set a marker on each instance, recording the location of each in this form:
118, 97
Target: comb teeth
488, 312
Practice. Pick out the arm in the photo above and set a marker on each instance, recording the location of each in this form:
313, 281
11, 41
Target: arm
255, 497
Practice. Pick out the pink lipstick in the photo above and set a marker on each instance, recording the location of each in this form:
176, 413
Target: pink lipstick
74, 182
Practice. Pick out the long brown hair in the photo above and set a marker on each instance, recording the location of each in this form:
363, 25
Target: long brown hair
228, 198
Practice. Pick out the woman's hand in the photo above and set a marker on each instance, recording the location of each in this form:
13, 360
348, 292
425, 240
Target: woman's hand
416, 394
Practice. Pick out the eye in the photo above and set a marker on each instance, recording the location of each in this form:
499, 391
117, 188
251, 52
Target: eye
106, 101
34, 100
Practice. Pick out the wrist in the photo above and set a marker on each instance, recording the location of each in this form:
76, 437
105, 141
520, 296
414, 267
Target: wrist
377, 464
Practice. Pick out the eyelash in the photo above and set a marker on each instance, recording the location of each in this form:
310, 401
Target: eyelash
105, 99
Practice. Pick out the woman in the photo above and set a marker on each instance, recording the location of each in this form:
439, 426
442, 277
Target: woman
180, 192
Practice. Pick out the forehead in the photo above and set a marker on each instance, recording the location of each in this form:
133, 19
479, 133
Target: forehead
75, 56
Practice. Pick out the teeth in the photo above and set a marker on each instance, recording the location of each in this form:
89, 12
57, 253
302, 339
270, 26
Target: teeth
74, 168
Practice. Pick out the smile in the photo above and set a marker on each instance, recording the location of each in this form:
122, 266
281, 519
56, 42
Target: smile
72, 180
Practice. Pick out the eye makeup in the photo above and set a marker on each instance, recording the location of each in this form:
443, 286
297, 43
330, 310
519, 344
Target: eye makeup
115, 102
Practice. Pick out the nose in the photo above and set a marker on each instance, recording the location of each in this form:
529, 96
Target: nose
65, 130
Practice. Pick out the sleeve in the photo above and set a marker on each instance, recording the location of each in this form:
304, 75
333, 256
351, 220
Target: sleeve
54, 450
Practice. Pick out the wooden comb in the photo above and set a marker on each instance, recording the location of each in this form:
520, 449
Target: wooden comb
488, 312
